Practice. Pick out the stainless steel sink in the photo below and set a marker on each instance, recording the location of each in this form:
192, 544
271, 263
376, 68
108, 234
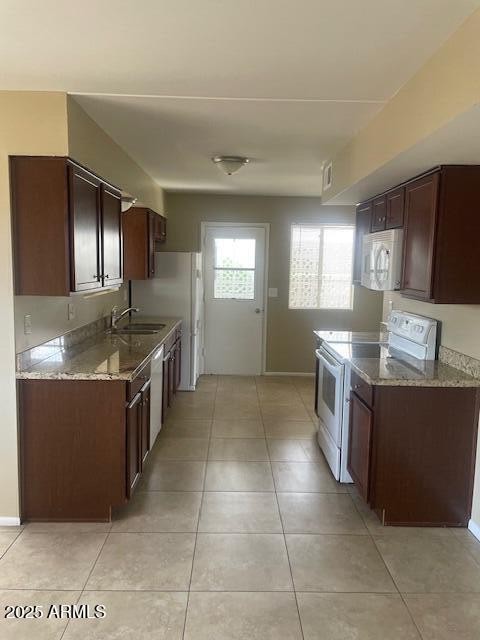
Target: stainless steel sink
138, 329
151, 326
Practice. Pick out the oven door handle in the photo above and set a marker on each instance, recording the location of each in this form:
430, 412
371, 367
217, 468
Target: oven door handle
328, 362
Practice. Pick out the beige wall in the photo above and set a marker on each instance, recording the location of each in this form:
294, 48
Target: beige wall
41, 123
91, 146
445, 87
49, 315
460, 330
289, 332
30, 123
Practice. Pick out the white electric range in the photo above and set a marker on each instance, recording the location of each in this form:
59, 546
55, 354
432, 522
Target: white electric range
408, 336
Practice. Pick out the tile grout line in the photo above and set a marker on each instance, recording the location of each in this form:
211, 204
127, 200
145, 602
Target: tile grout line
199, 516
2, 555
283, 528
82, 591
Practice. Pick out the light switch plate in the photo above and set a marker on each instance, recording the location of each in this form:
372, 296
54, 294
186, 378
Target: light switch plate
71, 311
27, 324
273, 292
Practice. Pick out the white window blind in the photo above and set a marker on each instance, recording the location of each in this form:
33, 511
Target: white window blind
321, 261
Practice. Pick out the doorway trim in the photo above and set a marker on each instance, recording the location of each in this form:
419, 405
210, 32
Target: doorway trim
204, 226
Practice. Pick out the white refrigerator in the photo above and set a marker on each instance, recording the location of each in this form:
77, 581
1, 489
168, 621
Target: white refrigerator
177, 291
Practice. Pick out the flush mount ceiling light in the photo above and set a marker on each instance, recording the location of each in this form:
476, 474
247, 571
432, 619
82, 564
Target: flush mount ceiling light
230, 164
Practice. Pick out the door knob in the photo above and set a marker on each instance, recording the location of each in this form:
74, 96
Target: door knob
258, 310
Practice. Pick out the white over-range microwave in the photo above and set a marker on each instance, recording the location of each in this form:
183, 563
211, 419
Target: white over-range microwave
382, 260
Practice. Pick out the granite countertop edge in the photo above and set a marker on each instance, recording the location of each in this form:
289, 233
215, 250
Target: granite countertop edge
41, 370
458, 379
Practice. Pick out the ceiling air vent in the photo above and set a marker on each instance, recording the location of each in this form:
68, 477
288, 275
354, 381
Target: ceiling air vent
327, 176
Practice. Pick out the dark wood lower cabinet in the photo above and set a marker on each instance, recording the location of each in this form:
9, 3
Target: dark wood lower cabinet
84, 443
178, 364
134, 443
172, 371
412, 453
72, 449
359, 451
145, 432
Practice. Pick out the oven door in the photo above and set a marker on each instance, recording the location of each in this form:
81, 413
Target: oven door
329, 394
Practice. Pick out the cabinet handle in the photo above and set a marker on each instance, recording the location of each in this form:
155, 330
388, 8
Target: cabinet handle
107, 276
95, 277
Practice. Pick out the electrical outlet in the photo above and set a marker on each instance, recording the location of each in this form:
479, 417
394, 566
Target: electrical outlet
273, 292
27, 325
71, 311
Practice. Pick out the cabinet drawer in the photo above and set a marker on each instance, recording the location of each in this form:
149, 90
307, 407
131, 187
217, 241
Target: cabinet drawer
362, 388
135, 385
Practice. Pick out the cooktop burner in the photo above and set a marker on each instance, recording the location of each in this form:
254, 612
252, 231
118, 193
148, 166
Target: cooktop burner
346, 351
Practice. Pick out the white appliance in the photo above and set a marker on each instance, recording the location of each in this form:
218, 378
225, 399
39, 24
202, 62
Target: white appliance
382, 260
177, 291
411, 345
156, 395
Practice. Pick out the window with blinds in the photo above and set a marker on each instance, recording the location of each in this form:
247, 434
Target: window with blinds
321, 262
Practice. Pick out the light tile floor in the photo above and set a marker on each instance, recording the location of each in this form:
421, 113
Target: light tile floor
239, 532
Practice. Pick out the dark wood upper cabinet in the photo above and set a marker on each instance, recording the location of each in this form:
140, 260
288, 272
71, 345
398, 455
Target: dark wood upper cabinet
419, 236
143, 230
66, 227
438, 211
441, 238
85, 236
359, 451
362, 226
112, 237
379, 214
395, 206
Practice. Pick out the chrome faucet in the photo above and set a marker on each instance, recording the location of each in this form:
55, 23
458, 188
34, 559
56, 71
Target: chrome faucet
116, 318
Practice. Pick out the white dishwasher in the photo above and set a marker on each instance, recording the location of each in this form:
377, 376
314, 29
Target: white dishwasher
156, 393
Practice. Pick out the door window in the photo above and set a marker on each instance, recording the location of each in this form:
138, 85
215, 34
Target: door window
234, 268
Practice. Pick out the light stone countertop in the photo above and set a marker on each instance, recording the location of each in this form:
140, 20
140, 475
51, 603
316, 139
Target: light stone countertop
104, 356
351, 336
390, 371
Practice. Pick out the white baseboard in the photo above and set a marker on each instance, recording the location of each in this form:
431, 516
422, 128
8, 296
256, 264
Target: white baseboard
474, 528
9, 522
288, 373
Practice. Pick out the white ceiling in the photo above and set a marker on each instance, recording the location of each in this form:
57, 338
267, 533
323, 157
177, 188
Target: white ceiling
174, 139
313, 71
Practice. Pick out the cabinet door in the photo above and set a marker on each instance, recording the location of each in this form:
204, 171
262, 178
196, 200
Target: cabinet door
363, 224
151, 244
85, 230
419, 236
178, 363
171, 377
112, 249
145, 431
395, 206
360, 444
165, 392
160, 228
134, 425
379, 214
